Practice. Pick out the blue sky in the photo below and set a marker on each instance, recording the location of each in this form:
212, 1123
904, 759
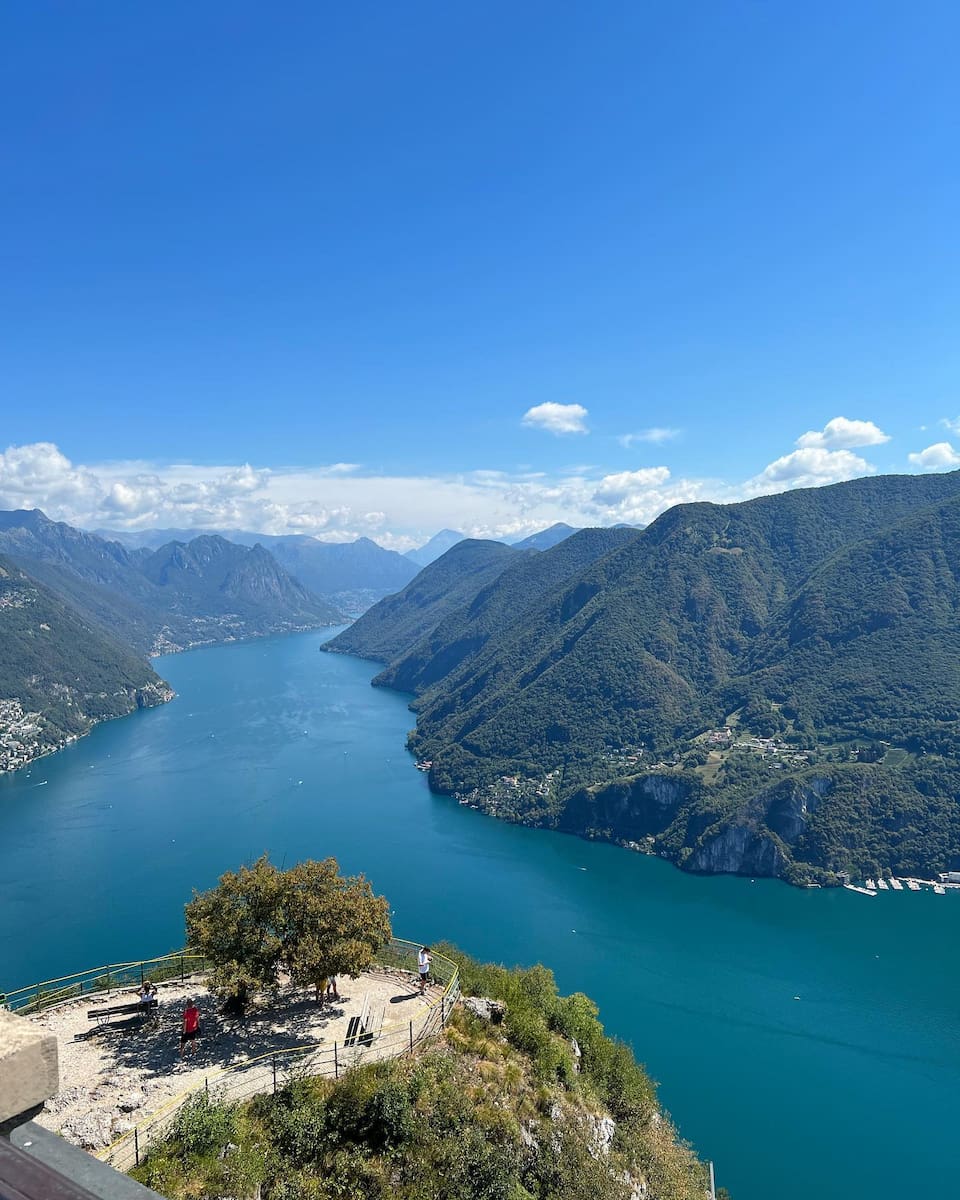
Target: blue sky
308, 266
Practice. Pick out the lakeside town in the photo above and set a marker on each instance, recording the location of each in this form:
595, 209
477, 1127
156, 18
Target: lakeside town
22, 737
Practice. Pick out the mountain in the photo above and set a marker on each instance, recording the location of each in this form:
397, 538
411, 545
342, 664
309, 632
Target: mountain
351, 576
58, 674
439, 544
399, 621
212, 576
454, 642
815, 628
545, 538
153, 539
182, 594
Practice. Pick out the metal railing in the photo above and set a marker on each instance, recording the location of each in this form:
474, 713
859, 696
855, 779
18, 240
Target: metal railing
267, 1073
116, 977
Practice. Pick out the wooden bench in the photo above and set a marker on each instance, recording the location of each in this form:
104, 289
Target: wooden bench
374, 1025
357, 1027
104, 1016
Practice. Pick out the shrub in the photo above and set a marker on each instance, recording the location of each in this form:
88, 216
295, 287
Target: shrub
203, 1125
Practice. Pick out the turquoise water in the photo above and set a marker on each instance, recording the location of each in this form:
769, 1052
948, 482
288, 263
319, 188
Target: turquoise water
850, 1090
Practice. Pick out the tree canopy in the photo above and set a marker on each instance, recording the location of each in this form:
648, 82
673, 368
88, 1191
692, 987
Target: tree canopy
309, 921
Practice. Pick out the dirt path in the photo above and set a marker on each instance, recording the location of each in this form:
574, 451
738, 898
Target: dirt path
114, 1076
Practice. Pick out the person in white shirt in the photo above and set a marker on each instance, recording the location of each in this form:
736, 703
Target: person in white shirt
423, 966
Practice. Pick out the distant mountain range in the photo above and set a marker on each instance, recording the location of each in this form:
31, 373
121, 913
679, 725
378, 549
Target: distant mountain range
350, 576
546, 538
446, 539
439, 544
770, 687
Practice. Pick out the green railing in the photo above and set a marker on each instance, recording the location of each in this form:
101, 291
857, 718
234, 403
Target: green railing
268, 1072
115, 977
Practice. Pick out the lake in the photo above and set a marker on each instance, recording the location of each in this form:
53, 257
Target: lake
807, 1041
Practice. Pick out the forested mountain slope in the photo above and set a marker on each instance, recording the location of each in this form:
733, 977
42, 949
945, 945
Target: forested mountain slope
453, 643
824, 619
638, 647
58, 674
399, 621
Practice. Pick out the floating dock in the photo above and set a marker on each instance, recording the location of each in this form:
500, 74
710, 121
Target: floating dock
870, 886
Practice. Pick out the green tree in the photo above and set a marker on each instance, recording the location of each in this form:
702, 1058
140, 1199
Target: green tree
235, 926
310, 920
332, 925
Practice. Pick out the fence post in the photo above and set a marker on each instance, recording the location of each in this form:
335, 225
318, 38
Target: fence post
336, 1065
713, 1187
206, 1085
411, 1035
136, 1147
141, 974
274, 1063
38, 997
181, 968
443, 1009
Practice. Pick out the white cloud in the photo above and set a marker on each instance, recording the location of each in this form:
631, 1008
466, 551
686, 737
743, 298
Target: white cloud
639, 497
339, 502
938, 457
342, 468
614, 489
657, 435
843, 434
557, 418
811, 467
951, 423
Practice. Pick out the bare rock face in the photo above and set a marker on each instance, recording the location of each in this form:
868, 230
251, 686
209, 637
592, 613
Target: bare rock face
628, 810
758, 838
740, 849
486, 1009
604, 1129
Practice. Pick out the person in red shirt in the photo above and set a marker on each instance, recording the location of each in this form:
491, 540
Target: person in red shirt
191, 1028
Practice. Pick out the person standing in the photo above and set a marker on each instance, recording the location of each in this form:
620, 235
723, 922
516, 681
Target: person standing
423, 966
191, 1028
